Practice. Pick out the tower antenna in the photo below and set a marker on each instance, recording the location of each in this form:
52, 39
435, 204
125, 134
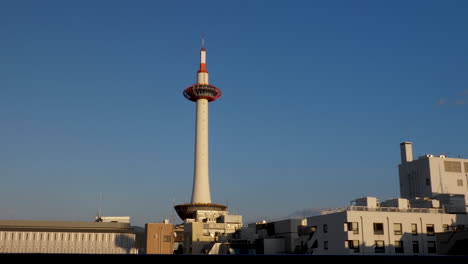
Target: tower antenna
203, 40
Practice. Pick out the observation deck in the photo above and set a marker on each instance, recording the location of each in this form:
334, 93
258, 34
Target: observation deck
202, 91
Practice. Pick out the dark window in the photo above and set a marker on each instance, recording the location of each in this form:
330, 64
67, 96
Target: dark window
379, 246
414, 229
378, 229
325, 228
428, 181
431, 246
397, 229
430, 229
354, 245
353, 226
399, 247
415, 247
325, 244
167, 238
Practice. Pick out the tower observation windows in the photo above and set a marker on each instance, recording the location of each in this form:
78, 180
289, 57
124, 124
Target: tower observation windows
198, 91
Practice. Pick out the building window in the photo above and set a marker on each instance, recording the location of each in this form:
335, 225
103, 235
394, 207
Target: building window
452, 166
354, 245
325, 228
415, 247
414, 229
445, 227
466, 167
431, 246
379, 246
397, 229
313, 229
460, 182
378, 229
428, 181
430, 229
353, 226
167, 238
325, 245
399, 247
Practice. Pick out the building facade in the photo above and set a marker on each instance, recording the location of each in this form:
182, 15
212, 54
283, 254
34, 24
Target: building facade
207, 232
438, 177
24, 236
377, 230
159, 238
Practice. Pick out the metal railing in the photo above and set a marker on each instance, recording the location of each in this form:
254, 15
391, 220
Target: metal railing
384, 209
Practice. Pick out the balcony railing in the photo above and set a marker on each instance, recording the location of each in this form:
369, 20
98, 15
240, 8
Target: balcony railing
384, 209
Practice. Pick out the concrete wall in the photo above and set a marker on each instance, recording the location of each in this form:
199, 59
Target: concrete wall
428, 177
333, 234
67, 242
25, 236
413, 179
447, 182
338, 232
273, 246
159, 238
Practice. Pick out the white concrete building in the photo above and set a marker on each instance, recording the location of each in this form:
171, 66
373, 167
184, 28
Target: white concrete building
433, 191
438, 177
25, 236
371, 229
208, 230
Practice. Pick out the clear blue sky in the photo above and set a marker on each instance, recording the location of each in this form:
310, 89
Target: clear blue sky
317, 96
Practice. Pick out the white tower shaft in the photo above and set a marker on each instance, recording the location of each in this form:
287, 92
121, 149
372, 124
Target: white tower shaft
201, 180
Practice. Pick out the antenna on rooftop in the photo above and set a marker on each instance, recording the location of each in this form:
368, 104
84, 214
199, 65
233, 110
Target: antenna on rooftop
99, 210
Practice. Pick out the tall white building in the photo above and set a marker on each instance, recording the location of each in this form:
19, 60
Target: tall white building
436, 177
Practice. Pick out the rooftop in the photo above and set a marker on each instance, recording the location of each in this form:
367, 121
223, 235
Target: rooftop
384, 209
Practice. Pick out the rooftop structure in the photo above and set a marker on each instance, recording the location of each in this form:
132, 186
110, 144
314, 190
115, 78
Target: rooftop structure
434, 176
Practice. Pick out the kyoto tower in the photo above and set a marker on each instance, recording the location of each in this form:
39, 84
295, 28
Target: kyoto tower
201, 93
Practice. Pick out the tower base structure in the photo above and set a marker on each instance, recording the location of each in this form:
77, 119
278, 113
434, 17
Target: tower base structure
189, 210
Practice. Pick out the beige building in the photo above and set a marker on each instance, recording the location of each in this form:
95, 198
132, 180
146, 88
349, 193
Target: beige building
370, 228
25, 236
436, 177
159, 238
208, 231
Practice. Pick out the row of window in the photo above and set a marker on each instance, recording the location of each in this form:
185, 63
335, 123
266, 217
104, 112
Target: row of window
54, 236
379, 228
63, 250
398, 230
379, 246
